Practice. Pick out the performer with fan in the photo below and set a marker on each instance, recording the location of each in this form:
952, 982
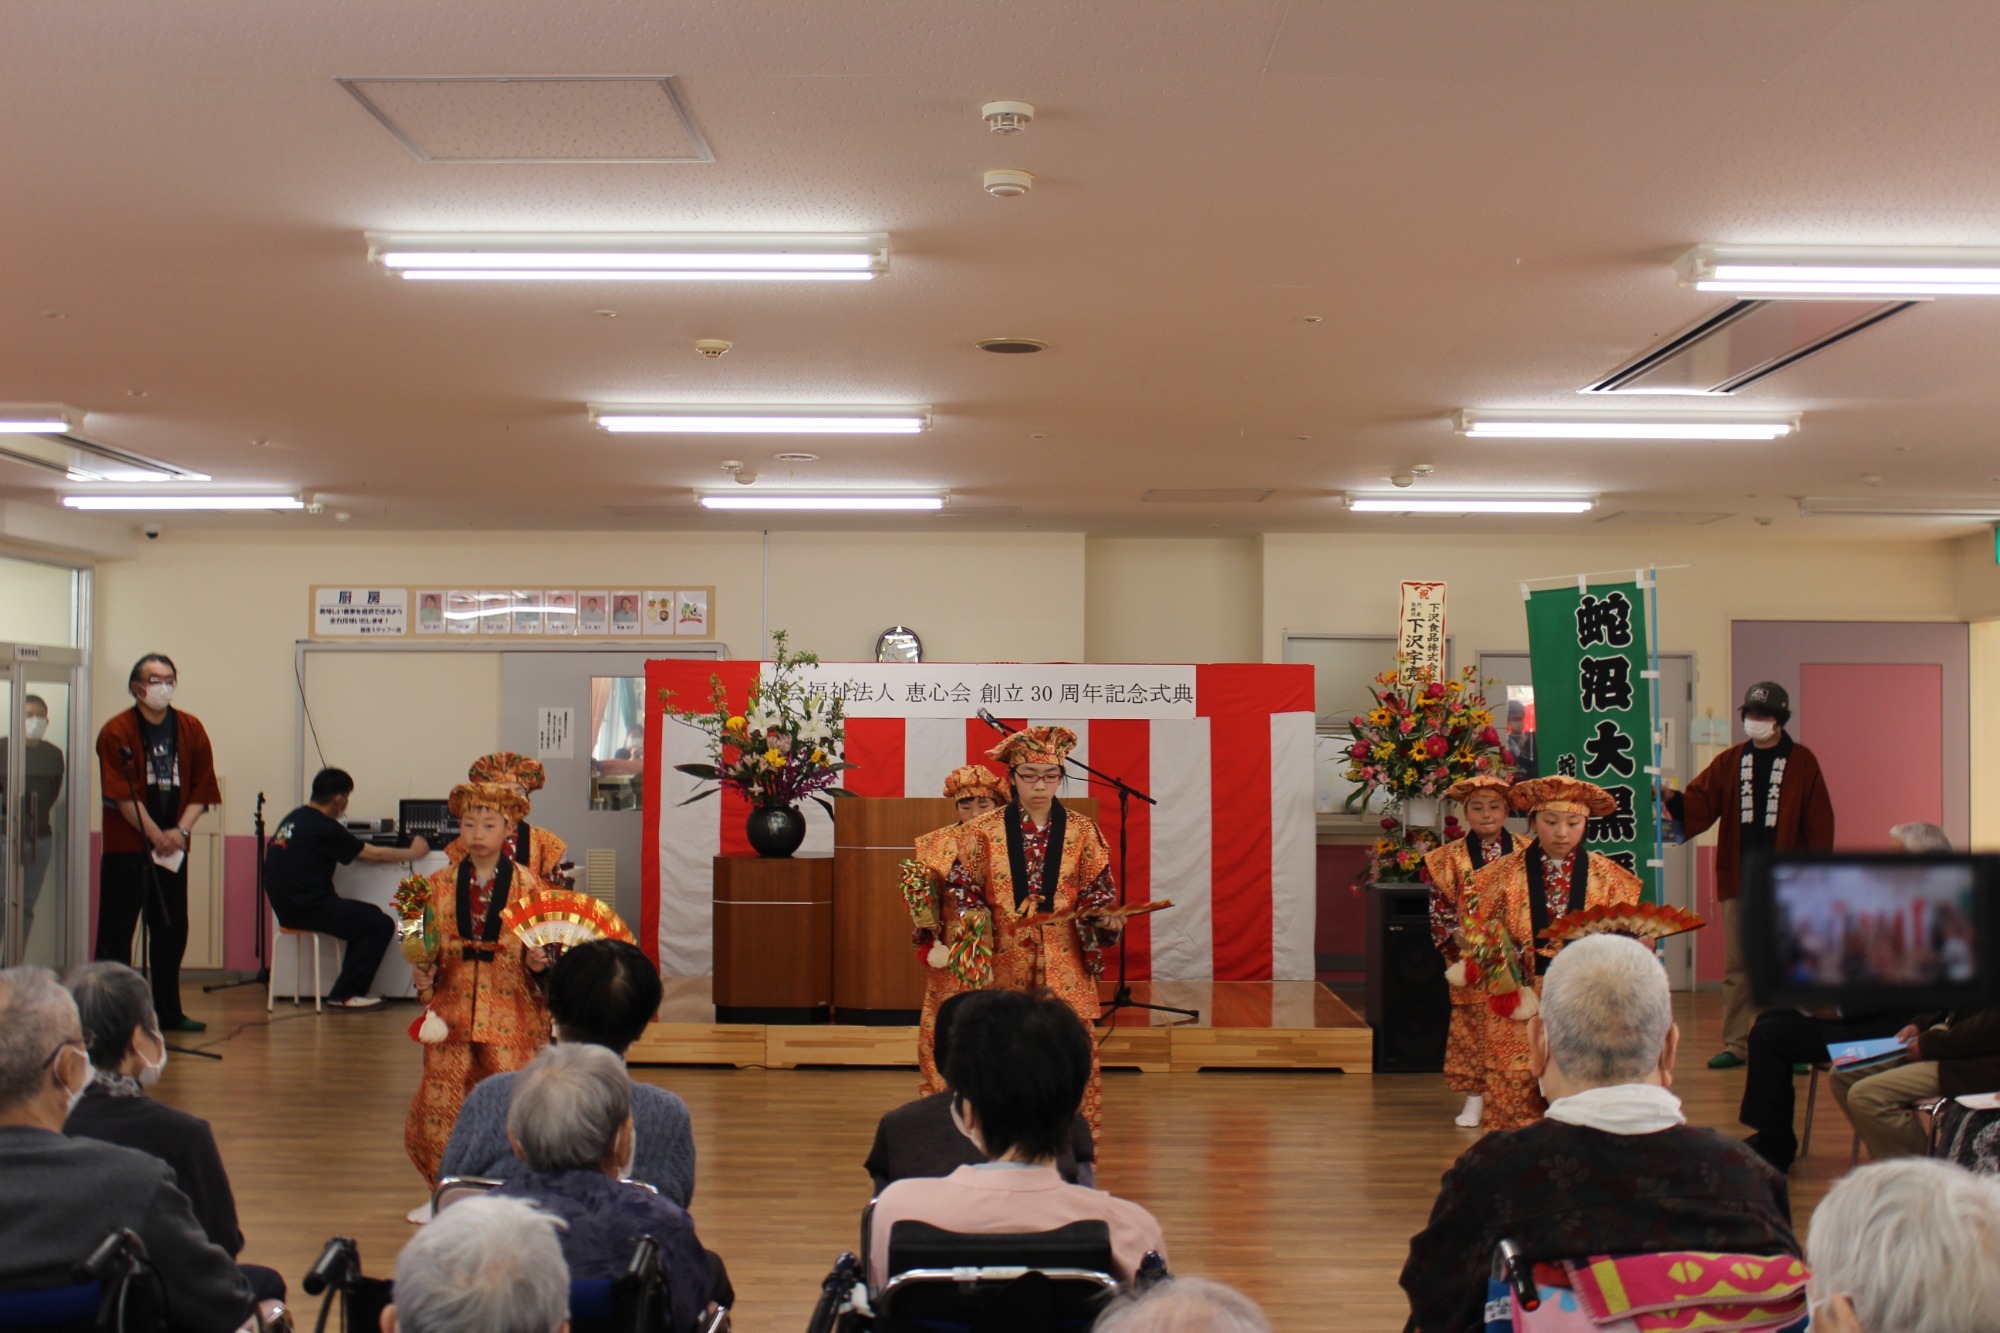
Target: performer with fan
485, 1014
1041, 875
536, 848
1451, 868
976, 790
1517, 897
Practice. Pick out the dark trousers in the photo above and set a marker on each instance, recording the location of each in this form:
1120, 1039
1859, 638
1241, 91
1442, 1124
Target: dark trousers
366, 930
126, 881
1779, 1039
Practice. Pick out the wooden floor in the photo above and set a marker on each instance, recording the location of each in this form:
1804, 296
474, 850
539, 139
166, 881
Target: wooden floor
1236, 1025
1301, 1188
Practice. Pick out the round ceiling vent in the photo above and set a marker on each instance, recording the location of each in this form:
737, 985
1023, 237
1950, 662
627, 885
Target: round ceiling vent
1010, 345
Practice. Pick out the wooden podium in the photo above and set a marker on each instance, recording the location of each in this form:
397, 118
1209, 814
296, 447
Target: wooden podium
773, 939
877, 976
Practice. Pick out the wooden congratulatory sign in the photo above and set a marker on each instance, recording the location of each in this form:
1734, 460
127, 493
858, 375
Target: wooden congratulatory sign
1420, 632
388, 611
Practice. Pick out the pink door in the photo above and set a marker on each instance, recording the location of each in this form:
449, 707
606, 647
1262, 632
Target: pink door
1878, 730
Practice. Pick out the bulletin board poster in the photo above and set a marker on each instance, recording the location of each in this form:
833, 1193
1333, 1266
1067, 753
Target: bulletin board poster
438, 611
1587, 650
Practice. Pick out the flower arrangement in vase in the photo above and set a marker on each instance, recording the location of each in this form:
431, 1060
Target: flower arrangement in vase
1397, 855
1421, 737
783, 748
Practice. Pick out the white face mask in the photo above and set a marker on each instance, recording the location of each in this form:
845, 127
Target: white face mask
38, 727
631, 1157
151, 1073
158, 697
1759, 729
75, 1094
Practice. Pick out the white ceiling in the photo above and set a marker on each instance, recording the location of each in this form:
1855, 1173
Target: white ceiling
1480, 201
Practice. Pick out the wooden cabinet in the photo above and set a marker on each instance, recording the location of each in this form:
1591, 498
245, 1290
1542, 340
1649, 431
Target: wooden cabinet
773, 939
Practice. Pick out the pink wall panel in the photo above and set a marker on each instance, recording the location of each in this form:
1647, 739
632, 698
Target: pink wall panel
1879, 734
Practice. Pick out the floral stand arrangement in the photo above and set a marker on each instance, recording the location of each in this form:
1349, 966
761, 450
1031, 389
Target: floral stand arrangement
780, 750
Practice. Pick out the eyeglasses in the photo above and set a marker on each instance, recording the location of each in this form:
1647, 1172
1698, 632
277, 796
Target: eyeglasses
1037, 779
56, 1054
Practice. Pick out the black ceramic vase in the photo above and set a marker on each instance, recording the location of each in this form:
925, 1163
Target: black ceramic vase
776, 830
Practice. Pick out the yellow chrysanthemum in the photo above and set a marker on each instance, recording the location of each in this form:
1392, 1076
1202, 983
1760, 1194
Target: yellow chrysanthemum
775, 758
1383, 750
735, 724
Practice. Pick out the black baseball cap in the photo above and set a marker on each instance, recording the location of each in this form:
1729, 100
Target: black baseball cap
1768, 696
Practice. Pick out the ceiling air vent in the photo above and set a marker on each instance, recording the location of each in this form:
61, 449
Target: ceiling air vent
1661, 518
1238, 495
1743, 343
531, 118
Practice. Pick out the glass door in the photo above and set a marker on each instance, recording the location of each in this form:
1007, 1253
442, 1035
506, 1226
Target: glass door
45, 915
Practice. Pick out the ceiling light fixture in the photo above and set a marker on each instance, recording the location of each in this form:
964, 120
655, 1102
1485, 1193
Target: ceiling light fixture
181, 501
38, 419
905, 503
661, 257
1451, 505
1813, 270
1837, 507
761, 419
1559, 425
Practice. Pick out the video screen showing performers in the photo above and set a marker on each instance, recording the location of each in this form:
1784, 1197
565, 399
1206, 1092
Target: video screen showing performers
1872, 924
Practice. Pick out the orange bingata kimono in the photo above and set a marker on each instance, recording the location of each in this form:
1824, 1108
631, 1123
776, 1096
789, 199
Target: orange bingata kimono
1523, 893
536, 848
483, 993
1025, 875
938, 852
1451, 869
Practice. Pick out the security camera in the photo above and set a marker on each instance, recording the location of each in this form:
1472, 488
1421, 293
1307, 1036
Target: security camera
152, 532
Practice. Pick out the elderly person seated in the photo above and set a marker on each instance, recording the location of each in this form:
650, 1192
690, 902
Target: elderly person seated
60, 1197
603, 993
571, 1122
1185, 1305
1786, 1042
484, 1266
1018, 1066
1909, 1246
127, 1056
919, 1139
1948, 1056
1635, 1177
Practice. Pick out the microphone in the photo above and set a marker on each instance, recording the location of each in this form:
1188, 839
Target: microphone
336, 1263
119, 1244
986, 716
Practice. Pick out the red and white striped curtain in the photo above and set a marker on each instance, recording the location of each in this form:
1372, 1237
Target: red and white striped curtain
1231, 841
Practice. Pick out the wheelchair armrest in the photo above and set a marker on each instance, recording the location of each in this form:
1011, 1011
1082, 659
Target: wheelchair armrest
1082, 1246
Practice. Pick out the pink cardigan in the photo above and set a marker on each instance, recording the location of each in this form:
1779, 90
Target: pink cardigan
1004, 1197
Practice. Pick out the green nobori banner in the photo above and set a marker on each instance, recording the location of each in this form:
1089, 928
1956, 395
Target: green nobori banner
1594, 709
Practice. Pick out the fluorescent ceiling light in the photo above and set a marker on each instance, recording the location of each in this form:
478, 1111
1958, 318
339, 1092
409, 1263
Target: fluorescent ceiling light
662, 257
892, 503
760, 419
1779, 271
16, 421
1379, 503
1836, 507
1558, 425
182, 501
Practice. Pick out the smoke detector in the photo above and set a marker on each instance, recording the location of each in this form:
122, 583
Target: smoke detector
1007, 117
1007, 183
711, 348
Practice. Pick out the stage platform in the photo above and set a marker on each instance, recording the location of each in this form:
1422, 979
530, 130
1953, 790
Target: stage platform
1243, 1025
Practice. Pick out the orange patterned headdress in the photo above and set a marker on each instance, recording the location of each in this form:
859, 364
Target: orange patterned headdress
1565, 795
1035, 745
977, 780
513, 806
506, 766
1458, 791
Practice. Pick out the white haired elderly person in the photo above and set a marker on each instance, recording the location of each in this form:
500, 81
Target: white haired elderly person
127, 1056
485, 1265
1635, 1177
570, 1120
60, 1197
1909, 1246
1184, 1305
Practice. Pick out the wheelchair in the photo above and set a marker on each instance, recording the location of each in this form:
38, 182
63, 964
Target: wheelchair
1542, 1297
633, 1302
108, 1290
940, 1281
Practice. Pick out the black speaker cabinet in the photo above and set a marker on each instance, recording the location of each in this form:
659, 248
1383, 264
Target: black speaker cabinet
1407, 1005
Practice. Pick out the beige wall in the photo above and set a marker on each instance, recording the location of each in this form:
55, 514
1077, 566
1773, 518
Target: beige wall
1978, 577
1985, 637
35, 602
1349, 584
1173, 600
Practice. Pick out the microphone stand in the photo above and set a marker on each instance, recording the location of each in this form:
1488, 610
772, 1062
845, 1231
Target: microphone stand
263, 977
154, 894
1121, 995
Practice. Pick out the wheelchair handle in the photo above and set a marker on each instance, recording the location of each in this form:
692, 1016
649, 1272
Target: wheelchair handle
340, 1260
121, 1245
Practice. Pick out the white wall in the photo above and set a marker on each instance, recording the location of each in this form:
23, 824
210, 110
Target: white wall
35, 601
1173, 599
